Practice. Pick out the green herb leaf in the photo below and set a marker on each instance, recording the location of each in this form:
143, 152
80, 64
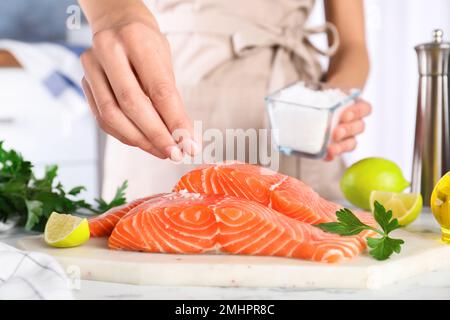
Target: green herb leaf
13, 166
119, 199
383, 248
34, 210
75, 191
46, 183
348, 224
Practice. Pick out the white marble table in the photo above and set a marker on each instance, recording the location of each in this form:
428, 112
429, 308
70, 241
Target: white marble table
433, 285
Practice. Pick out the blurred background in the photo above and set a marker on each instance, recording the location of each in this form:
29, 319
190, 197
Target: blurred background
43, 113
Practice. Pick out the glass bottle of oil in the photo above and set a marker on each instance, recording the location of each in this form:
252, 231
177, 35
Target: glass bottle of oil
440, 206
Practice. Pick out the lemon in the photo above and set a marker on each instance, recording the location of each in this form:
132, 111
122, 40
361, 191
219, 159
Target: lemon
406, 207
65, 231
370, 174
440, 205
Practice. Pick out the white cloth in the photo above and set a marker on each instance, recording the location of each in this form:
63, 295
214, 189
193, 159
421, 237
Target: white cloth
58, 69
31, 275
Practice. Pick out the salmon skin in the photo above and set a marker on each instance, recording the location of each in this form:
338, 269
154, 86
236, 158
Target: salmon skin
103, 225
193, 224
282, 193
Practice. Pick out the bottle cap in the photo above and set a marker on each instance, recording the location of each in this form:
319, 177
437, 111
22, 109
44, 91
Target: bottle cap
434, 56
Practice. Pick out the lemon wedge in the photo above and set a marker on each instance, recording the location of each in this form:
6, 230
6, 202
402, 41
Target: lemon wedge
65, 231
406, 207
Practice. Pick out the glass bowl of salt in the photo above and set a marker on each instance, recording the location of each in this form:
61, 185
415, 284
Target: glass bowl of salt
303, 115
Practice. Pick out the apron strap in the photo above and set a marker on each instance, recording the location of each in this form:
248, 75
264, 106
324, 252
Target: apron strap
247, 35
293, 39
330, 28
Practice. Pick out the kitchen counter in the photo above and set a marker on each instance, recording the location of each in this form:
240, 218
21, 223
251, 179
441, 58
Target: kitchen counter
432, 285
435, 285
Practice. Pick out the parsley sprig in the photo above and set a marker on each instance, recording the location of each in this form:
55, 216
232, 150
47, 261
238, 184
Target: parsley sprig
348, 224
32, 199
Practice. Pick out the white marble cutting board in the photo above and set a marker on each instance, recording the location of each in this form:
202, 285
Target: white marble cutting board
423, 252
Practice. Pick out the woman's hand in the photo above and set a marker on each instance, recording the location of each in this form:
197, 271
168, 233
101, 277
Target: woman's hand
350, 125
129, 81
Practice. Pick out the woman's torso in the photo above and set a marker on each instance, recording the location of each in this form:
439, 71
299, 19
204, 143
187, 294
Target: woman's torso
227, 56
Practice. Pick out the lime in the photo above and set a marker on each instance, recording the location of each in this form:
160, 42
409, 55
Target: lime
440, 205
368, 175
406, 207
65, 230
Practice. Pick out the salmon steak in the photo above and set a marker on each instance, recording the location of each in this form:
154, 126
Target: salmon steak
103, 225
188, 223
282, 193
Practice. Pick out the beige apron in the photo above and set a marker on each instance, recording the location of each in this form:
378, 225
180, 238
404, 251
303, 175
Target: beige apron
228, 55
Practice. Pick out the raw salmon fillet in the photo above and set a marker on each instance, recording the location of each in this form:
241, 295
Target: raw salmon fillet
103, 225
193, 224
282, 193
